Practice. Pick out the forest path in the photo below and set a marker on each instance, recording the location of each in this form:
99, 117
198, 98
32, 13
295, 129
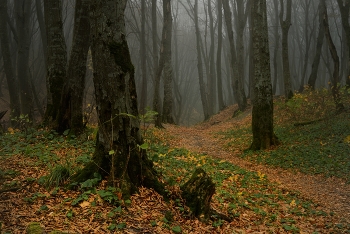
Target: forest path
332, 194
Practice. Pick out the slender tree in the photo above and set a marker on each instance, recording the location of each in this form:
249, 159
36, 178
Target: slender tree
117, 154
320, 38
56, 59
262, 114
73, 91
218, 57
285, 24
237, 81
333, 51
8, 65
143, 57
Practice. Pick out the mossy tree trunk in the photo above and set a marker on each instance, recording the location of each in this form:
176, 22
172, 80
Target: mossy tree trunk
117, 154
262, 114
197, 192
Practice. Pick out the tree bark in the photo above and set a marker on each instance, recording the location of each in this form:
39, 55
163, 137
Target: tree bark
8, 66
56, 60
202, 88
117, 154
73, 91
143, 57
167, 115
285, 24
212, 99
335, 79
218, 57
320, 37
344, 7
23, 14
262, 114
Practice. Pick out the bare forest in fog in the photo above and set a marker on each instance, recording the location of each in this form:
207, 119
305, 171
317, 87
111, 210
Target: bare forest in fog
186, 78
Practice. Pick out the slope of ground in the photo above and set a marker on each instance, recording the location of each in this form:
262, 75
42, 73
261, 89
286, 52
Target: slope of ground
332, 193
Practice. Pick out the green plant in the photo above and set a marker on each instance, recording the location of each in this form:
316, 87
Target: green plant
58, 175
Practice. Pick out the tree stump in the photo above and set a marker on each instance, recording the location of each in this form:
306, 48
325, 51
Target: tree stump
197, 192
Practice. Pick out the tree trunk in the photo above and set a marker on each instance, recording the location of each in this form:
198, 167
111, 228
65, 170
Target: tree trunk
156, 98
262, 114
197, 192
8, 66
344, 7
237, 85
313, 76
202, 88
117, 154
73, 91
56, 60
23, 15
285, 24
167, 115
218, 57
212, 74
335, 79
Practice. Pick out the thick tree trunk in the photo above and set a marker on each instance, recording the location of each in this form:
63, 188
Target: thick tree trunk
335, 79
117, 154
320, 37
262, 115
275, 51
56, 59
237, 85
167, 115
73, 93
23, 14
285, 24
8, 66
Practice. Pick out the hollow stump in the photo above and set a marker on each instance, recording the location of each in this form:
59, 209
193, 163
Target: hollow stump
197, 192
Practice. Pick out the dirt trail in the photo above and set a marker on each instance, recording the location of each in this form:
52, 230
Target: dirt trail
332, 194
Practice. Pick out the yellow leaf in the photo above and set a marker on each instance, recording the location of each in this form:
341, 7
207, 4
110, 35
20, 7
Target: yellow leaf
11, 131
347, 139
292, 203
84, 204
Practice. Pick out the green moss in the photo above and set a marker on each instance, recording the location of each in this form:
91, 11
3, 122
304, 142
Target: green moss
34, 228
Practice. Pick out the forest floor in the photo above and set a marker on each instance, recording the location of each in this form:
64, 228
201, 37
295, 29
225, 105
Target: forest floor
301, 186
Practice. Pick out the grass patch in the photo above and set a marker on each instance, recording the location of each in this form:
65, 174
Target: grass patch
319, 148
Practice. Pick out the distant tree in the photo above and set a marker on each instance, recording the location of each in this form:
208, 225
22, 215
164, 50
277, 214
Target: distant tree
73, 90
262, 114
117, 154
56, 60
7, 60
333, 51
344, 6
165, 53
237, 80
143, 58
285, 24
320, 38
218, 57
23, 14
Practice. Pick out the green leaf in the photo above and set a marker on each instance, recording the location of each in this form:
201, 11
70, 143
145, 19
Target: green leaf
144, 146
176, 229
121, 226
66, 132
112, 227
111, 152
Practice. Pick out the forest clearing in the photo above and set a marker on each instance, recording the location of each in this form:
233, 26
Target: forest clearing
300, 186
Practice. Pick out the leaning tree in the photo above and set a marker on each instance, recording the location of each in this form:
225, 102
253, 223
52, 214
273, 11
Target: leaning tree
262, 114
118, 154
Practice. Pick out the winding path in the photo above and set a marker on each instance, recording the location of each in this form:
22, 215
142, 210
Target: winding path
332, 194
